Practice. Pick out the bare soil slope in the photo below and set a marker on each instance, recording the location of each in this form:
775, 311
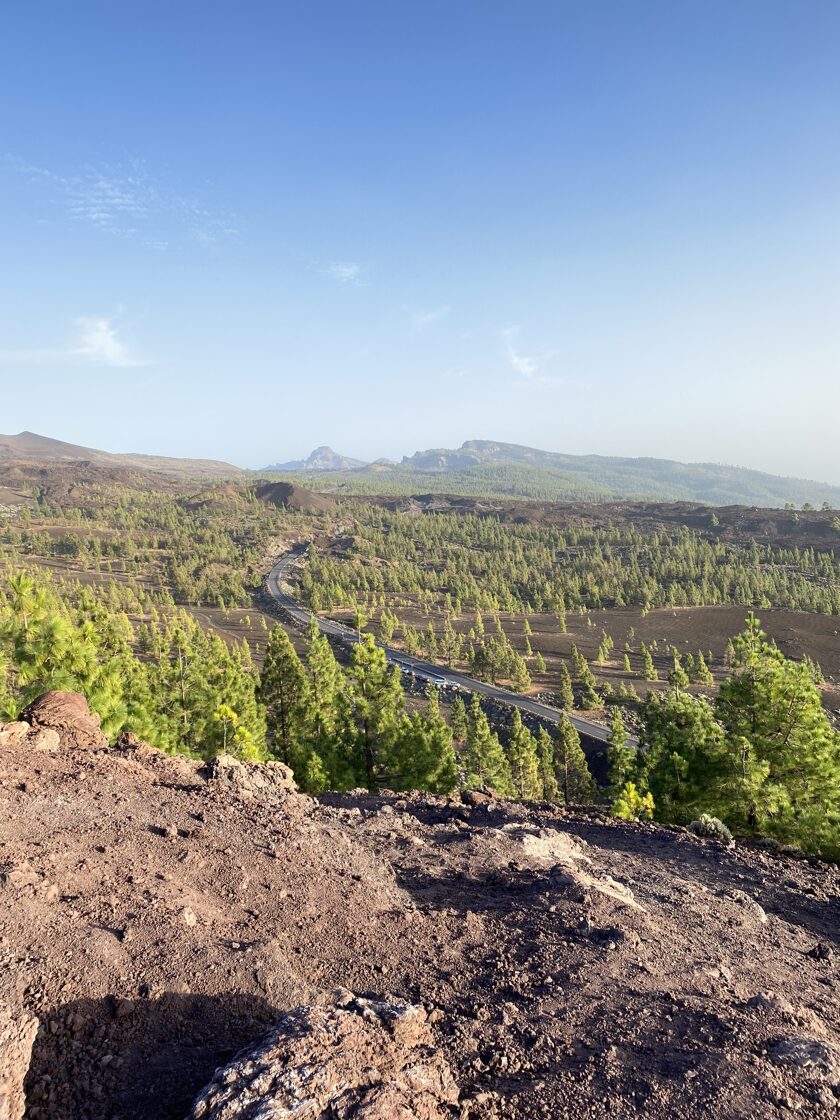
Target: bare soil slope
289, 496
42, 449
157, 917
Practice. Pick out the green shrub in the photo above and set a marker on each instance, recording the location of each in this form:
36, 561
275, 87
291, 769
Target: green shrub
630, 805
711, 828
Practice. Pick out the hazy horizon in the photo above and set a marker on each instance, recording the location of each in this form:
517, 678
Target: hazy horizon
130, 449
242, 233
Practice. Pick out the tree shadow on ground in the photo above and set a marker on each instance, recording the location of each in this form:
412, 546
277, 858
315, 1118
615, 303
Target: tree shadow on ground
138, 1059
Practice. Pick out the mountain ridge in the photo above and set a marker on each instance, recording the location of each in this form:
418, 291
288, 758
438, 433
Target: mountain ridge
323, 458
481, 467
510, 468
28, 445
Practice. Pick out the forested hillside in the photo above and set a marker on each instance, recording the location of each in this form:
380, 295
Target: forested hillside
478, 561
123, 588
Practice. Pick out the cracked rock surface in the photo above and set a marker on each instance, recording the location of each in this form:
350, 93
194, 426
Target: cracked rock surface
369, 1060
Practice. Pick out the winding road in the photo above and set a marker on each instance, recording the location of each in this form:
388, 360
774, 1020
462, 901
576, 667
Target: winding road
426, 670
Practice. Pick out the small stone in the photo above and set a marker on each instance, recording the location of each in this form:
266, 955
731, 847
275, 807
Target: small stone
44, 739
820, 952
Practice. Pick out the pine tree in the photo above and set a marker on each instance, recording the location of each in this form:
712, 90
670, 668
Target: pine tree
574, 780
621, 757
282, 690
589, 697
432, 702
565, 691
7, 706
236, 738
701, 670
485, 762
648, 668
520, 678
326, 715
459, 720
376, 701
545, 760
360, 619
788, 755
678, 676
421, 755
630, 804
450, 643
683, 759
524, 764
387, 626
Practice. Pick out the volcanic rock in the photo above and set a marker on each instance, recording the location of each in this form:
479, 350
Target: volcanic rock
68, 714
369, 1060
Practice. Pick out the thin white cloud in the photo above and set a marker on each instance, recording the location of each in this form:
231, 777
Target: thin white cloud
345, 272
96, 342
423, 318
529, 369
126, 200
100, 342
526, 367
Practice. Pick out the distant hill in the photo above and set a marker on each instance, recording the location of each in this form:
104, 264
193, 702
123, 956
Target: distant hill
288, 496
321, 459
478, 468
493, 469
42, 449
608, 476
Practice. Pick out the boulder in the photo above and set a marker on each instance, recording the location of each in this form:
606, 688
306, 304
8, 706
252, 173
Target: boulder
17, 1034
248, 779
808, 1053
475, 798
68, 714
369, 1060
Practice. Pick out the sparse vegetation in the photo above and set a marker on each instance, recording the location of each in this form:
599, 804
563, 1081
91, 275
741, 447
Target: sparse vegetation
711, 828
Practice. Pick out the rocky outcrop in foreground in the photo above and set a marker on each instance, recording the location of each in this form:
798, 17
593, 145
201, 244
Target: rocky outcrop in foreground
159, 915
365, 1059
65, 716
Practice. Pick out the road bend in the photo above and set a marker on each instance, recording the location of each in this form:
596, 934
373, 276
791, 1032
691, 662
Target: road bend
425, 670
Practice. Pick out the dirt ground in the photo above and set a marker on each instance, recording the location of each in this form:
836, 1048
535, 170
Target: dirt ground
155, 921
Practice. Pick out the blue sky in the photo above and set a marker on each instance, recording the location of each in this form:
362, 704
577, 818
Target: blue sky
241, 230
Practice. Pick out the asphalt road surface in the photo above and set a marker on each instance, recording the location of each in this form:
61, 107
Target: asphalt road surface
425, 670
